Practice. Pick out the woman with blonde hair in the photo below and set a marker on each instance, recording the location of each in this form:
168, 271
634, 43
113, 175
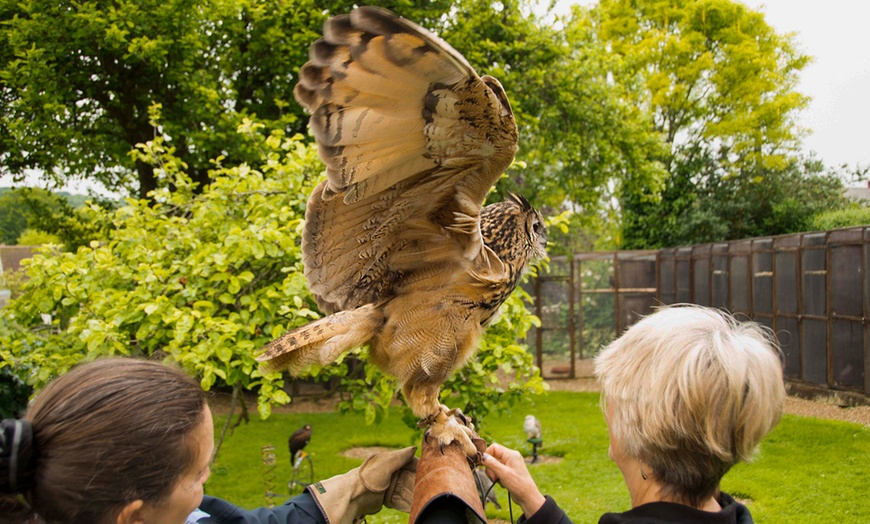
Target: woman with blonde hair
687, 392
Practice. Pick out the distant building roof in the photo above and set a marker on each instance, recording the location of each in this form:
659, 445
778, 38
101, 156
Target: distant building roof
11, 257
858, 193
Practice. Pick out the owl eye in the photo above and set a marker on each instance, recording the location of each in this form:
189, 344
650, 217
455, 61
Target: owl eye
536, 227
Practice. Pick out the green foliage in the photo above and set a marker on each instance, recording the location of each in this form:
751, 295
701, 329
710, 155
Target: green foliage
13, 281
13, 395
808, 470
851, 216
73, 102
19, 209
12, 221
202, 279
35, 237
51, 213
718, 83
740, 206
654, 123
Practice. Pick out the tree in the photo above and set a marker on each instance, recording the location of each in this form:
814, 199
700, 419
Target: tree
74, 102
26, 208
579, 139
12, 221
205, 279
42, 213
783, 201
35, 237
719, 85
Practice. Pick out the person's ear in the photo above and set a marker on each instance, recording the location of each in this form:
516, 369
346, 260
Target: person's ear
132, 513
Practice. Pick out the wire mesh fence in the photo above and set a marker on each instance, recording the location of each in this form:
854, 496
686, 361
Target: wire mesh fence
811, 289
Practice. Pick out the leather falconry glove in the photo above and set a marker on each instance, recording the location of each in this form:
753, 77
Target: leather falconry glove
384, 480
445, 478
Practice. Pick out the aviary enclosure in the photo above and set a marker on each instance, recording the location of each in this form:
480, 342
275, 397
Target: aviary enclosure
811, 289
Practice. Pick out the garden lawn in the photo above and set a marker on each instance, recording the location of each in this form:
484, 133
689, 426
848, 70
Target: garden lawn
808, 470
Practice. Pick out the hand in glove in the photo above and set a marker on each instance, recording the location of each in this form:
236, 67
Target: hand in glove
384, 479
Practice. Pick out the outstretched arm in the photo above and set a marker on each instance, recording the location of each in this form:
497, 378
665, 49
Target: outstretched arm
301, 509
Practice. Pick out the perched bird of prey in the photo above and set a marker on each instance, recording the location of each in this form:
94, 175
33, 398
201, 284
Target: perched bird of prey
298, 440
532, 427
397, 247
485, 488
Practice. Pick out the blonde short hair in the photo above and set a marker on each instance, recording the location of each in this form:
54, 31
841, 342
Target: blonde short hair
691, 393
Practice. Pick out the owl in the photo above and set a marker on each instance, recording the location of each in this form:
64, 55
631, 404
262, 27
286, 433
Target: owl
397, 247
532, 427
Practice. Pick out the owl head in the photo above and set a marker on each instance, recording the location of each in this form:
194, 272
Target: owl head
534, 227
514, 230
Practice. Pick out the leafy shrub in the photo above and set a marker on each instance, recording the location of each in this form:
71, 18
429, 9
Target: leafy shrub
853, 216
202, 279
35, 237
13, 394
13, 281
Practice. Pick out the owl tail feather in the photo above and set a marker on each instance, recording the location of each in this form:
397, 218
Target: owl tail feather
321, 342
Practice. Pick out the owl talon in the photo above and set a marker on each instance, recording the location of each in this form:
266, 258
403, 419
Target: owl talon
452, 426
456, 412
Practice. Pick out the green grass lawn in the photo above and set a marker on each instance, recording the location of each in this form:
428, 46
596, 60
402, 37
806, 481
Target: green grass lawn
808, 470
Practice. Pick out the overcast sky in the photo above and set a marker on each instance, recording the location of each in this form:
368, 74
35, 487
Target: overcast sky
836, 34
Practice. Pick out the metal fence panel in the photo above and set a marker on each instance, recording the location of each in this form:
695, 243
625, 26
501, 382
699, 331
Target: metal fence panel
814, 278
814, 361
719, 279
811, 289
847, 354
786, 331
739, 281
701, 275
846, 285
762, 278
668, 271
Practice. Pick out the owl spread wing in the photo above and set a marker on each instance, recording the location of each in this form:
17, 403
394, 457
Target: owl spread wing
413, 140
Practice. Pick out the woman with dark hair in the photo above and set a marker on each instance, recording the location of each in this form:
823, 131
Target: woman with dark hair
123, 441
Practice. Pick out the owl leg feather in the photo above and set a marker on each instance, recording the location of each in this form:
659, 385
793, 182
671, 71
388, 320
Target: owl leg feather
445, 424
321, 342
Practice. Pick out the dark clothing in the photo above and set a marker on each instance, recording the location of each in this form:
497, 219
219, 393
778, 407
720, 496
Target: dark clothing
732, 512
445, 509
301, 509
549, 513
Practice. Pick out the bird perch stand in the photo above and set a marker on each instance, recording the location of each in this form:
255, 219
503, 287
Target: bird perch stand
299, 475
535, 442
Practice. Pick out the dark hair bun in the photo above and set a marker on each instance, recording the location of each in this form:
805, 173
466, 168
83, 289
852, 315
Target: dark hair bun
16, 456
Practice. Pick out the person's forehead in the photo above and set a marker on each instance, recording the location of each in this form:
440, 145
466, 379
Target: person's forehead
203, 436
208, 428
